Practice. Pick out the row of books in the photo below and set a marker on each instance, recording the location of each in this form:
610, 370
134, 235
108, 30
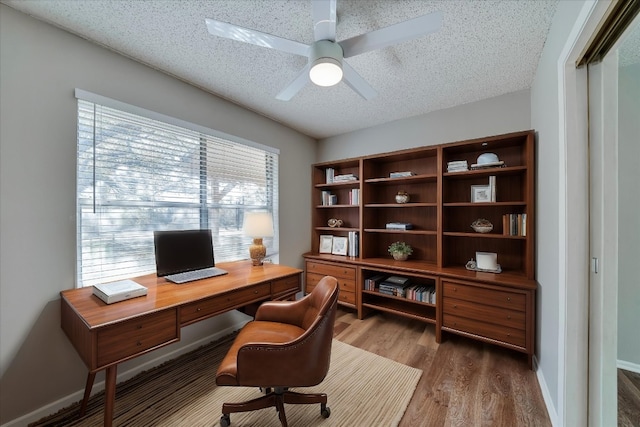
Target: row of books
329, 199
354, 196
399, 286
514, 224
331, 177
353, 244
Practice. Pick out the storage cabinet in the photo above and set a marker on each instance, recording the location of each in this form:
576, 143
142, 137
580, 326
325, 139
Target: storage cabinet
491, 313
494, 307
346, 276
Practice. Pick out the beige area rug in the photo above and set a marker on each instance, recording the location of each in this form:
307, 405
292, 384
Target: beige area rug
363, 389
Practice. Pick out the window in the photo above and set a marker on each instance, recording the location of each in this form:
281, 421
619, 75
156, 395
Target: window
139, 173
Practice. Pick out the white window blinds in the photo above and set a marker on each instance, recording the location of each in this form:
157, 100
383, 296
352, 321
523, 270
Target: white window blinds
137, 174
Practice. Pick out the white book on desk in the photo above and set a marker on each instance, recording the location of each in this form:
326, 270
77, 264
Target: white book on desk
118, 291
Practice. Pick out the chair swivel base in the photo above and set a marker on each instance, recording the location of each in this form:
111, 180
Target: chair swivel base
277, 398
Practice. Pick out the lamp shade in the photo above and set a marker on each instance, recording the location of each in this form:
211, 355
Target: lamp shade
258, 224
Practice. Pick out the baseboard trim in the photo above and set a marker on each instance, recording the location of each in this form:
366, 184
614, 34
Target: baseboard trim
546, 395
124, 376
628, 366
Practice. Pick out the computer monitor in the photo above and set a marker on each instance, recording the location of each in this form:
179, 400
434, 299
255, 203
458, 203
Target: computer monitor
178, 251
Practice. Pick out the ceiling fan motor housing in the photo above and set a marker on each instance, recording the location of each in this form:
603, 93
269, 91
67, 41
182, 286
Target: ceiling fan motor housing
325, 58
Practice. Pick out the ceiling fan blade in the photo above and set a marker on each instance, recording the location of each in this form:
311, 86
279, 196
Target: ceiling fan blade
393, 34
235, 32
324, 19
294, 87
357, 83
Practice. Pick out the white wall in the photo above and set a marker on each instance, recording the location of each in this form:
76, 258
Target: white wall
39, 68
494, 116
628, 219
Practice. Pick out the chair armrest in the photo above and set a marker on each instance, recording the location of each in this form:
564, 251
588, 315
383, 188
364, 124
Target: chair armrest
290, 312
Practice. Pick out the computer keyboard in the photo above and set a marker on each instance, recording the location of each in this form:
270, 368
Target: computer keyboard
190, 276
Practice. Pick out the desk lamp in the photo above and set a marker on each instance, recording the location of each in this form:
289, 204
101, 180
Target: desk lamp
257, 225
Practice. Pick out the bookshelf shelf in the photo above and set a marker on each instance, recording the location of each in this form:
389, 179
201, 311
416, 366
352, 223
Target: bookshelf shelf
440, 211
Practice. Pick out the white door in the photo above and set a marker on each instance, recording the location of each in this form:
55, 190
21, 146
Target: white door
614, 141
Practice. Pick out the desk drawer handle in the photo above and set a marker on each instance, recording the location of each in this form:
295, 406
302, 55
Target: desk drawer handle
255, 292
198, 309
139, 327
508, 298
139, 343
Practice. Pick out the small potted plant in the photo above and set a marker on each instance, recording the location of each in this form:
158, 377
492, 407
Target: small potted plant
400, 250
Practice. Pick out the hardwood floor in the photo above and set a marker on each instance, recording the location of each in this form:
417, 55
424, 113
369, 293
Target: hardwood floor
628, 399
464, 382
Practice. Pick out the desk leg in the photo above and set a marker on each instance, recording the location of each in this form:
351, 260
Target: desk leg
87, 392
109, 394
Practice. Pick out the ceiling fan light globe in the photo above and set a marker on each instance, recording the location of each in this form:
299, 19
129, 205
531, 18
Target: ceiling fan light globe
326, 72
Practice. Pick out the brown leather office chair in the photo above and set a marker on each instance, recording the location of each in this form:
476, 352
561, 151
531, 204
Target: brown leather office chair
288, 344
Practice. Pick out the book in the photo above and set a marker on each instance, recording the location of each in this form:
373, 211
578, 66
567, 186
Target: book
401, 174
329, 174
399, 226
397, 280
119, 291
492, 187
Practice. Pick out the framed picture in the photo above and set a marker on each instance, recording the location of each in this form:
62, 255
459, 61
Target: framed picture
339, 246
326, 244
480, 193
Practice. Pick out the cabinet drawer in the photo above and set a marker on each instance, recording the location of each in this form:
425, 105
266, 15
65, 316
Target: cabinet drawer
120, 341
489, 330
484, 313
348, 297
211, 306
499, 298
288, 284
335, 270
345, 285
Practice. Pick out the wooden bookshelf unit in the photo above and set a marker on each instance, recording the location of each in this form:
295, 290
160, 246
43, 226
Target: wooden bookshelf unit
493, 307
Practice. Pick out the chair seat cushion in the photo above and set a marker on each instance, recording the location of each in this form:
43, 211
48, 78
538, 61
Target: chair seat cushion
255, 332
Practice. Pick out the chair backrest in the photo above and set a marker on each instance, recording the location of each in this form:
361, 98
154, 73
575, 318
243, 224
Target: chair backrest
321, 300
318, 321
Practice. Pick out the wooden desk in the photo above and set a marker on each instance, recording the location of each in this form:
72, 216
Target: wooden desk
105, 335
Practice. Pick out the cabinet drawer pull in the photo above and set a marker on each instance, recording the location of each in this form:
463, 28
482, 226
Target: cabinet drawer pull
198, 309
455, 305
139, 343
508, 298
139, 327
255, 292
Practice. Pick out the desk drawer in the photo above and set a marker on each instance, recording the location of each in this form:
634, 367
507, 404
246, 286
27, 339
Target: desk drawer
214, 305
336, 270
288, 284
133, 337
499, 298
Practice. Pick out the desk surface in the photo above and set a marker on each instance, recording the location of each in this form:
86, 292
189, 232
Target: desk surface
162, 294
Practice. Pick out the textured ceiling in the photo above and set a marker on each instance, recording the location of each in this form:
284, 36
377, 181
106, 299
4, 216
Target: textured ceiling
484, 49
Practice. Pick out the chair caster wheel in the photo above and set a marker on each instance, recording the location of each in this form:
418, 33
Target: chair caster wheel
225, 421
325, 411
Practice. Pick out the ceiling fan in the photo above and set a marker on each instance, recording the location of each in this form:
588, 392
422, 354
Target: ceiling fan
326, 66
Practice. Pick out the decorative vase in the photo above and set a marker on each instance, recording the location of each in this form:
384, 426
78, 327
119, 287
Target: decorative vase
402, 197
399, 256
